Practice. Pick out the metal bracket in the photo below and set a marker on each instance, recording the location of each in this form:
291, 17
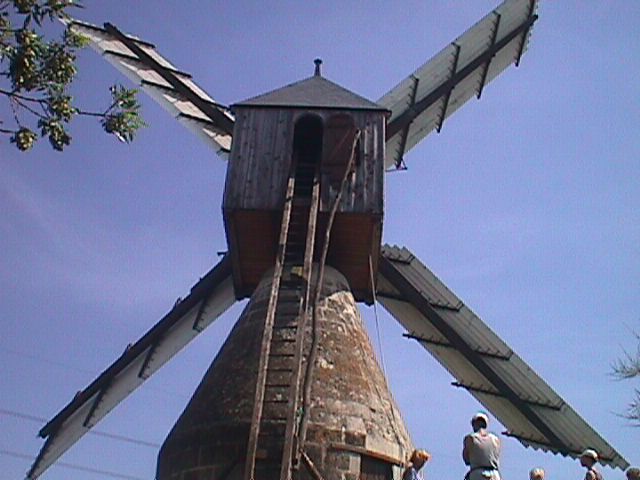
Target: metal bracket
440, 343
525, 33
447, 96
94, 406
485, 70
495, 393
405, 131
196, 323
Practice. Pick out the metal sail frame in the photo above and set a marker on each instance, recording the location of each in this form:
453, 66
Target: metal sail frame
481, 362
208, 300
173, 89
421, 102
418, 105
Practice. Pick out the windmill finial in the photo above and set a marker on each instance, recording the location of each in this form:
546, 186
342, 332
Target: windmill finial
318, 62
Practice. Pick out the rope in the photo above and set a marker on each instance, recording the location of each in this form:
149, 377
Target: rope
392, 418
375, 314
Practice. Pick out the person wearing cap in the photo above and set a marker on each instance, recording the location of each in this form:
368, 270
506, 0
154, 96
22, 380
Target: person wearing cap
588, 459
416, 461
481, 450
633, 473
536, 474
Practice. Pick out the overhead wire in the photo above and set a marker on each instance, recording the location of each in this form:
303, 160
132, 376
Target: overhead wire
69, 367
121, 438
74, 466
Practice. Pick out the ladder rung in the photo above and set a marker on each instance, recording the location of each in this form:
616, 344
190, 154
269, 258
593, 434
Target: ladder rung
289, 315
272, 429
286, 323
284, 335
280, 363
278, 378
288, 310
281, 368
286, 326
274, 412
282, 340
283, 348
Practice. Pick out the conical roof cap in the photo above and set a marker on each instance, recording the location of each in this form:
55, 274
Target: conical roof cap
312, 92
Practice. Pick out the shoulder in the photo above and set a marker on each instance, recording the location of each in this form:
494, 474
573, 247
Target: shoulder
591, 475
408, 473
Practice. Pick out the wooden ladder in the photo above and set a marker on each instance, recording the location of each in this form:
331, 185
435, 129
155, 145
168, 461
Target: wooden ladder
272, 437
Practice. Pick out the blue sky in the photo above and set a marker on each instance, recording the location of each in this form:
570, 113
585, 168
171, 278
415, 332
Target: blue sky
526, 205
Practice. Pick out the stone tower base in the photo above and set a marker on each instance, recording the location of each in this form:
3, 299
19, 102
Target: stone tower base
355, 430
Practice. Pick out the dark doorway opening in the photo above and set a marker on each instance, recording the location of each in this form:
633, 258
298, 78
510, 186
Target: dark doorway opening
307, 152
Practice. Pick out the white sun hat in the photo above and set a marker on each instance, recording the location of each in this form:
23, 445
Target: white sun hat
479, 416
591, 453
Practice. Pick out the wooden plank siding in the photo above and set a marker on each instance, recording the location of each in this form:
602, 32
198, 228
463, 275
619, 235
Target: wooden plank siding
259, 166
260, 160
261, 152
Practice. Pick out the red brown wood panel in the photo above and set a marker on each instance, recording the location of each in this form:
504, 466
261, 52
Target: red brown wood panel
252, 237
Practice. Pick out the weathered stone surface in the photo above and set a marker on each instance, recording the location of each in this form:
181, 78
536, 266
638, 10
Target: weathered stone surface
351, 411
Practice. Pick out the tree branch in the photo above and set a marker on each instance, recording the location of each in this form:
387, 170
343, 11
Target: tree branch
13, 94
19, 102
91, 114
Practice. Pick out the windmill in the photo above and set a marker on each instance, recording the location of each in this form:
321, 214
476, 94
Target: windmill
480, 361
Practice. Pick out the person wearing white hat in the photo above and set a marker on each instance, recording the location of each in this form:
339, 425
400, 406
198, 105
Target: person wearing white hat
481, 450
588, 459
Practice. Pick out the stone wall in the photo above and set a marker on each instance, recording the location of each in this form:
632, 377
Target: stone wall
351, 413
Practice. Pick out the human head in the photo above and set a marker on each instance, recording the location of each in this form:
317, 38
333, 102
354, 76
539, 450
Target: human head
419, 457
536, 474
588, 458
479, 420
633, 473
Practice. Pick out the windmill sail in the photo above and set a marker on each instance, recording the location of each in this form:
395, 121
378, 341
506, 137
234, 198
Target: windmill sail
481, 362
421, 102
172, 89
208, 299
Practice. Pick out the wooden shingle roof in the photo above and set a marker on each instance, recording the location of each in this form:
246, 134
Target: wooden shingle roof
312, 92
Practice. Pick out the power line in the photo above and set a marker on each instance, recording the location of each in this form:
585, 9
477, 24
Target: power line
73, 368
121, 438
54, 363
73, 466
